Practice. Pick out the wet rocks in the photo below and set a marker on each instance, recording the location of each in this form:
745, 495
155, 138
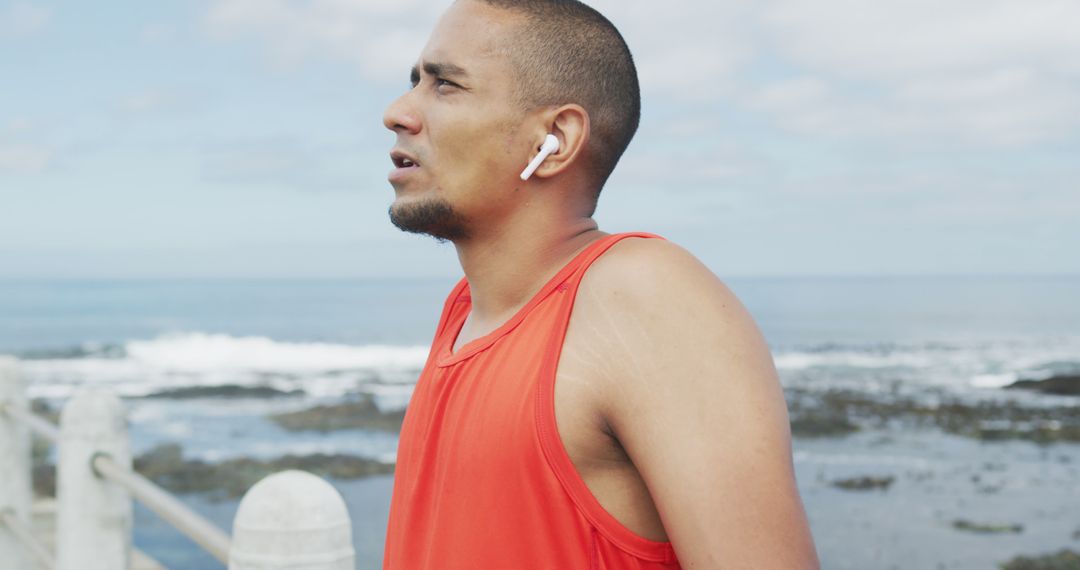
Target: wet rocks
838, 412
1063, 560
864, 483
166, 466
359, 414
821, 425
1058, 385
984, 528
222, 391
44, 410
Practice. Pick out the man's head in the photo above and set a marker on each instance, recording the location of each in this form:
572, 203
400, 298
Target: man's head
494, 78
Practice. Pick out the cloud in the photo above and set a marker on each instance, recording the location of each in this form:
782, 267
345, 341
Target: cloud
382, 39
23, 159
151, 101
262, 161
686, 49
893, 40
282, 162
22, 19
19, 153
969, 72
157, 34
690, 168
977, 73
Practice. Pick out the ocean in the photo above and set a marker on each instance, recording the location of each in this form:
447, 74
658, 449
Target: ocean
963, 337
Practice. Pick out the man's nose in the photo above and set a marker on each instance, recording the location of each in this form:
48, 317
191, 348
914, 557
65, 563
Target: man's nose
401, 115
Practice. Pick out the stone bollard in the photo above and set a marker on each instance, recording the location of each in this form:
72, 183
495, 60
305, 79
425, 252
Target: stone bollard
94, 516
15, 468
293, 520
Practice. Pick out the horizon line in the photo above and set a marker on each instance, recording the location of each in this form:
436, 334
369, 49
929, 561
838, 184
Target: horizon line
99, 278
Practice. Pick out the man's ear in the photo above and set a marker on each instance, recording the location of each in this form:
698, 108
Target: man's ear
570, 124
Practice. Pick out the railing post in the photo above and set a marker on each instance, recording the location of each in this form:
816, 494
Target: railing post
292, 519
15, 468
93, 530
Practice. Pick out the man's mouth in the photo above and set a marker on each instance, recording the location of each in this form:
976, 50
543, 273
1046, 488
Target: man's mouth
403, 160
404, 165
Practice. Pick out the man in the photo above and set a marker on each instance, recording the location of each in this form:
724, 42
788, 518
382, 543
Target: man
591, 400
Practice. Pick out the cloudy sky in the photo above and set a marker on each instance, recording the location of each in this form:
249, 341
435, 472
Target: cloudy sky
243, 138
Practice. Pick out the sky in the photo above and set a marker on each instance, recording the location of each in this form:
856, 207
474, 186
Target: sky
244, 138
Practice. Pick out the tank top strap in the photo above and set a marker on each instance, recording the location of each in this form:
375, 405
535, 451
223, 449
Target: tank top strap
592, 253
569, 285
455, 298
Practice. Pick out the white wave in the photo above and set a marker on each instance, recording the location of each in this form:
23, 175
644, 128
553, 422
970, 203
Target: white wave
200, 352
202, 359
983, 365
326, 370
993, 380
849, 358
801, 456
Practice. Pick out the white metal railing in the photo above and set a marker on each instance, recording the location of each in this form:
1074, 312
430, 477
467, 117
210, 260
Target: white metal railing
25, 534
96, 483
202, 531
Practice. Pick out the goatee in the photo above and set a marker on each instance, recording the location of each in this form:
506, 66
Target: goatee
435, 218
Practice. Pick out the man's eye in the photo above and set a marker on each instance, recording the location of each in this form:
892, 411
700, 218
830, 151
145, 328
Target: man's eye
440, 82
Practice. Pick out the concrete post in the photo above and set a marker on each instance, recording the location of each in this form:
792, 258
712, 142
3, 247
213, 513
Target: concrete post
93, 527
15, 468
293, 520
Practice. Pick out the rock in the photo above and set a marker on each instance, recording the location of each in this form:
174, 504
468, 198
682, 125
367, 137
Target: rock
1063, 560
44, 480
231, 478
821, 425
864, 483
223, 391
45, 411
831, 412
961, 524
362, 413
43, 472
165, 466
1058, 385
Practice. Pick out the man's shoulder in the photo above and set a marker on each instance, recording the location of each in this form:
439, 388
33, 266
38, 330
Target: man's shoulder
652, 296
644, 272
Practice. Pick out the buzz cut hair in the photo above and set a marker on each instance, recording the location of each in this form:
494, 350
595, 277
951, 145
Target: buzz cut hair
567, 52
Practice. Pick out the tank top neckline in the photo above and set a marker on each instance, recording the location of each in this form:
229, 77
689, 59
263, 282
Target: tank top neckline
477, 345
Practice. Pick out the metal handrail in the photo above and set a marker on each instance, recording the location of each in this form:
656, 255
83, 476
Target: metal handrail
26, 536
187, 521
40, 426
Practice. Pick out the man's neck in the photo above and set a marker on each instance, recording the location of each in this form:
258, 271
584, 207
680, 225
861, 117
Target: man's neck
505, 268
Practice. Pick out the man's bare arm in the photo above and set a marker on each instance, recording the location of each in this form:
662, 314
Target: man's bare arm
693, 397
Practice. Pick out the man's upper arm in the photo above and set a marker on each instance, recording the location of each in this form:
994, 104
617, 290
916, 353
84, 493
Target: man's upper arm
693, 397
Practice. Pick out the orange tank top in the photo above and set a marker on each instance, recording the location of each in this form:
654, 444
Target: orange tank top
482, 478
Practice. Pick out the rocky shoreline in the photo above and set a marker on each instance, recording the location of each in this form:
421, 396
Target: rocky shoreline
166, 466
816, 416
837, 412
1063, 560
361, 413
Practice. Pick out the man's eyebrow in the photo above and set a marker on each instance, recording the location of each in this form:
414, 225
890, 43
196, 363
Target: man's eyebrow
444, 69
438, 69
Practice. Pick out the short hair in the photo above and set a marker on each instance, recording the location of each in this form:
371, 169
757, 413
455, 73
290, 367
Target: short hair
567, 52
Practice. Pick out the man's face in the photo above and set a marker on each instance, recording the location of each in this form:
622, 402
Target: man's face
458, 145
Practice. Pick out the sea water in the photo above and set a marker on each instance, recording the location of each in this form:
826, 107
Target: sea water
966, 336
328, 337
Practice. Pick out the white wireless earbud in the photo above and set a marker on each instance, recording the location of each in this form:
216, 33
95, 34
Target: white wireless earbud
551, 144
